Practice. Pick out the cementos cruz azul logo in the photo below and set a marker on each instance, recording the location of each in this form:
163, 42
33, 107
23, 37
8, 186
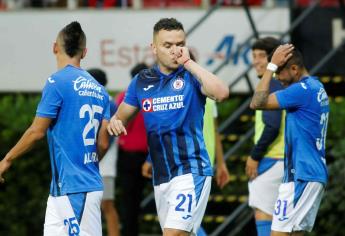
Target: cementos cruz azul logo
147, 104
87, 84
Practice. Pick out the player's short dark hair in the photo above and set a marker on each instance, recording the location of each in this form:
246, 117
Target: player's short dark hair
295, 59
268, 44
73, 39
137, 68
168, 24
99, 75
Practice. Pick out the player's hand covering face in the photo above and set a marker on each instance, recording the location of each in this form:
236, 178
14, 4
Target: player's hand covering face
165, 45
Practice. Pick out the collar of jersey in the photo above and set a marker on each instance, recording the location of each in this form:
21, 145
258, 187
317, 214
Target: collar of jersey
69, 65
171, 75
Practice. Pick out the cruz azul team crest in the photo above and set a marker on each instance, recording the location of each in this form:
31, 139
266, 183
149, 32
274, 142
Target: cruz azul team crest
178, 83
147, 104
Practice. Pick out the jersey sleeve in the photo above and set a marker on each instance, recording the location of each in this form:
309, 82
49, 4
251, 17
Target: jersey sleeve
131, 97
51, 100
294, 96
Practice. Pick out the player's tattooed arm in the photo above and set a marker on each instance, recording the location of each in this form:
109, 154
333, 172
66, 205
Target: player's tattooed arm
260, 99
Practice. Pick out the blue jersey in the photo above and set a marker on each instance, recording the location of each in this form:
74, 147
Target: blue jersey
77, 104
307, 108
173, 109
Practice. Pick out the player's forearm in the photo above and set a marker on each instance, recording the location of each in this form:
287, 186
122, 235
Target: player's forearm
213, 87
102, 148
219, 151
103, 140
262, 92
125, 113
25, 143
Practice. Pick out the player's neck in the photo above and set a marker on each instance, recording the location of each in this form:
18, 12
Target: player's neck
63, 61
303, 74
163, 69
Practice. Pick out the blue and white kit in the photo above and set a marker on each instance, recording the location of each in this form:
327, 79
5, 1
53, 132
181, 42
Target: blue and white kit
77, 104
173, 108
305, 171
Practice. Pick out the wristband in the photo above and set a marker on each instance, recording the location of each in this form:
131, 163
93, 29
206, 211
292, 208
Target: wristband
186, 61
272, 67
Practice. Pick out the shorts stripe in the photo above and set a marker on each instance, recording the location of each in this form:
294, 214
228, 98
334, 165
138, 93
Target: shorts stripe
199, 182
77, 201
299, 189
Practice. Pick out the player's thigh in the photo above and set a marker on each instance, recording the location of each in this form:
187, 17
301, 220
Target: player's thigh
187, 197
91, 224
53, 223
74, 214
297, 205
175, 232
263, 190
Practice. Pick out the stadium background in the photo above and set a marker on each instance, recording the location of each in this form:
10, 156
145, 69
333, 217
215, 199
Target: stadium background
119, 34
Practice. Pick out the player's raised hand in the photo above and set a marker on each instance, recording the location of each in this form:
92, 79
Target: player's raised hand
252, 168
181, 54
4, 165
116, 127
282, 54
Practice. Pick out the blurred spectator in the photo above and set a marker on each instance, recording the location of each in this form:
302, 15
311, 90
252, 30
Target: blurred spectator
107, 168
132, 154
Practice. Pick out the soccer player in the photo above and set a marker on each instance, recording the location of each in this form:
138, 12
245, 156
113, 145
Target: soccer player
74, 111
305, 172
265, 166
171, 96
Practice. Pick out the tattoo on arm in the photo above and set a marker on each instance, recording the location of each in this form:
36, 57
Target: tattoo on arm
260, 99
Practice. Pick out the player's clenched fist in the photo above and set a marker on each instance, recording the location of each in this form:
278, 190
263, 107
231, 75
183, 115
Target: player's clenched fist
116, 127
181, 54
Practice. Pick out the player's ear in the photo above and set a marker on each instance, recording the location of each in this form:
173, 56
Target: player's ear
153, 48
55, 48
83, 54
294, 69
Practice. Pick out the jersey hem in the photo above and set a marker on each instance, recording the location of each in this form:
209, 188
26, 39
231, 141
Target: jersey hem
83, 190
